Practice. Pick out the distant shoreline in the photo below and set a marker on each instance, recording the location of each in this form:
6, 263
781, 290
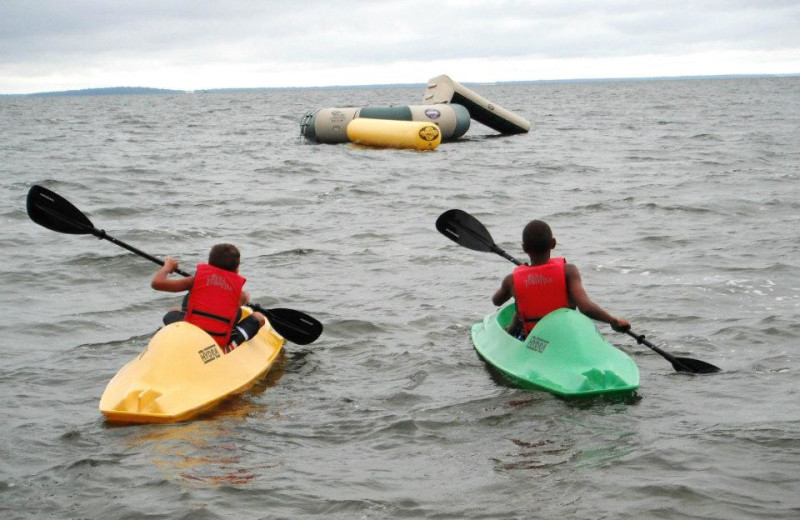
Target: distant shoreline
125, 91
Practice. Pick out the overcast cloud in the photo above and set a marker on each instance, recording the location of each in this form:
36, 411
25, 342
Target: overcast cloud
50, 45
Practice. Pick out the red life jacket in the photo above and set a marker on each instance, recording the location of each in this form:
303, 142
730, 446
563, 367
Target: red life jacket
539, 290
214, 301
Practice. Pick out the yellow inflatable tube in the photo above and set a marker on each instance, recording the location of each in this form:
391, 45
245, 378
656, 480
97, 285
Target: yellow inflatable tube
388, 133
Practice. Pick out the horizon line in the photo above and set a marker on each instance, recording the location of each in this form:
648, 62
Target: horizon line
157, 90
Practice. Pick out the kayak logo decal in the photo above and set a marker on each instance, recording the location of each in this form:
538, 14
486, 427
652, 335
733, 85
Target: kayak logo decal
209, 353
537, 344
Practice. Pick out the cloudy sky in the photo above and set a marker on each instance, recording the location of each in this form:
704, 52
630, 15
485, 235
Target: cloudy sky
48, 45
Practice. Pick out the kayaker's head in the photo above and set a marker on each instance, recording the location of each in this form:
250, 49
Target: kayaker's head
224, 256
537, 239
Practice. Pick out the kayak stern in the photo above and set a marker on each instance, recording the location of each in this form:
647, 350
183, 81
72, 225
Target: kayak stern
183, 373
564, 354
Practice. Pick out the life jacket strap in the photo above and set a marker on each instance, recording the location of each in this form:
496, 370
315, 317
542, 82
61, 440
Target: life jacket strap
211, 316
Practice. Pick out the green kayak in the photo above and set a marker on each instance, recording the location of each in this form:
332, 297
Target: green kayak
564, 354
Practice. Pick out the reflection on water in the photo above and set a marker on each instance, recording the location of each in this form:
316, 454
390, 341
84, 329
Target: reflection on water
204, 451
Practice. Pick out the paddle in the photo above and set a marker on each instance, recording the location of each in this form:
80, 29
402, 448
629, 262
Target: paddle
297, 327
50, 210
681, 364
467, 231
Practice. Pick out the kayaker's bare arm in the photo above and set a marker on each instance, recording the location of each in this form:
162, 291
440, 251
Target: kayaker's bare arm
505, 292
578, 296
162, 282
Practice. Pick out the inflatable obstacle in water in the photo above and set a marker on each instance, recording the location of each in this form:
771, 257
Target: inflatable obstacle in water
386, 133
446, 104
442, 90
330, 125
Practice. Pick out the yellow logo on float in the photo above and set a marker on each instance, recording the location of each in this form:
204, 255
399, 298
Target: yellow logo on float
429, 133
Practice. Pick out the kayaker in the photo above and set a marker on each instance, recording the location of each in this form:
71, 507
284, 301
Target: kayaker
214, 299
547, 284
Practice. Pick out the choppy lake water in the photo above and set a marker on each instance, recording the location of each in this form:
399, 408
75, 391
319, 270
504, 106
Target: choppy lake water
679, 201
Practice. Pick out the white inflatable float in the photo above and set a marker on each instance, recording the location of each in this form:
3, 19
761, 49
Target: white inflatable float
442, 90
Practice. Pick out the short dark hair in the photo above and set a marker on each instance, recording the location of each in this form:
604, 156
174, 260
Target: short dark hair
224, 256
537, 237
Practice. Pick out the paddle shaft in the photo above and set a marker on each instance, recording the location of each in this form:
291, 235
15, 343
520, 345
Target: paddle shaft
467, 231
287, 328
640, 339
54, 212
295, 326
680, 364
79, 223
101, 234
505, 255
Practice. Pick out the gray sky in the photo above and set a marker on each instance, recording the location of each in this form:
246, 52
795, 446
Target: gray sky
48, 45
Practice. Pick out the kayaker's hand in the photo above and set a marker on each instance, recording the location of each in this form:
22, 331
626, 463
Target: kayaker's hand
244, 298
620, 325
170, 264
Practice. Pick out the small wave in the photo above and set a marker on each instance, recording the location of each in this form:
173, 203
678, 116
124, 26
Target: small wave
707, 137
290, 253
348, 328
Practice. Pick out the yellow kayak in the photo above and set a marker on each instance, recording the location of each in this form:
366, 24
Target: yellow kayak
182, 373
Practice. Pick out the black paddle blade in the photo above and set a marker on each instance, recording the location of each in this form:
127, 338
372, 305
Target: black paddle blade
465, 230
695, 366
295, 326
680, 364
51, 210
